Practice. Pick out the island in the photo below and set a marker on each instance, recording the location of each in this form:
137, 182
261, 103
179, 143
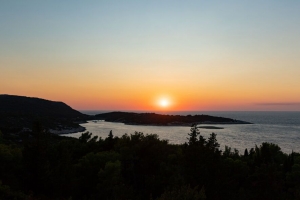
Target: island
131, 118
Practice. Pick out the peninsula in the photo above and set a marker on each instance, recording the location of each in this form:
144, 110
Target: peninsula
131, 118
18, 113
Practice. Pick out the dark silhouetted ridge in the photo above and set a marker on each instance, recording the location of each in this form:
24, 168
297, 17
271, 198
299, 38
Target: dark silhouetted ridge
17, 112
164, 120
36, 106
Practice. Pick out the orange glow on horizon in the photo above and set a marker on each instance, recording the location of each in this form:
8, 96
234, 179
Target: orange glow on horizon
145, 94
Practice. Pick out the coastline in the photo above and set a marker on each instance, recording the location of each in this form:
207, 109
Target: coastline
68, 131
185, 124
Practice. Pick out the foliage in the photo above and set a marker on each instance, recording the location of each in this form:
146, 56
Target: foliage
184, 193
139, 166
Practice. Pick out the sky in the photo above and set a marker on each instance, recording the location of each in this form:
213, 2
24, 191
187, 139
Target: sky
233, 55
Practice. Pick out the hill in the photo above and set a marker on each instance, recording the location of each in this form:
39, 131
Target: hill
18, 112
164, 120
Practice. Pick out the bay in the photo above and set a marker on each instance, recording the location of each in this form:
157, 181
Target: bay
282, 128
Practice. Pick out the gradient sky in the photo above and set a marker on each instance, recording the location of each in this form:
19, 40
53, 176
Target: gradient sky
126, 55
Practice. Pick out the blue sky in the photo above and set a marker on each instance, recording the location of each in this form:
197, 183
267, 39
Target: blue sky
163, 43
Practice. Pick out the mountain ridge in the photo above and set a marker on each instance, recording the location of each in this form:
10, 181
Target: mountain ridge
19, 112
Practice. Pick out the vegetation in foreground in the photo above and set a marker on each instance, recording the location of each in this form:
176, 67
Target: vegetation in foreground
39, 165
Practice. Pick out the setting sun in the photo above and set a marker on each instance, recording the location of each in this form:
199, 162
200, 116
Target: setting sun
164, 103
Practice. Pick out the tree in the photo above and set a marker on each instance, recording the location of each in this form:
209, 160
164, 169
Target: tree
109, 142
185, 192
1, 137
227, 152
110, 135
246, 154
85, 137
193, 139
212, 143
36, 160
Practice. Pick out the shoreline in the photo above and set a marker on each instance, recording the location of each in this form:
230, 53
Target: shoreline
67, 131
206, 125
186, 124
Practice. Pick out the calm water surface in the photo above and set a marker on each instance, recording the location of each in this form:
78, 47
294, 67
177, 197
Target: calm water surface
282, 128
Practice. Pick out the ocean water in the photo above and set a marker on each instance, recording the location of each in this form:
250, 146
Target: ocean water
282, 128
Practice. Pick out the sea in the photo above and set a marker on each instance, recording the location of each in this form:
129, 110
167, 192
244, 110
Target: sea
281, 128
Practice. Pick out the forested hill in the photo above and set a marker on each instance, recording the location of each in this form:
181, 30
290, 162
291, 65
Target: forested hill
164, 120
17, 112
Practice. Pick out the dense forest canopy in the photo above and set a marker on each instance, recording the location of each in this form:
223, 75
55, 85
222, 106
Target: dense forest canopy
40, 165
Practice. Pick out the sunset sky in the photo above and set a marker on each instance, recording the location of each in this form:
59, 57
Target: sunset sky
153, 55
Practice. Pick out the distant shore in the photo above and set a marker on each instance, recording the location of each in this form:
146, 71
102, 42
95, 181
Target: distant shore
154, 119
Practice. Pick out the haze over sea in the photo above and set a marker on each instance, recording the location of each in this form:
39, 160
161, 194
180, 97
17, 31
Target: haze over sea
282, 128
